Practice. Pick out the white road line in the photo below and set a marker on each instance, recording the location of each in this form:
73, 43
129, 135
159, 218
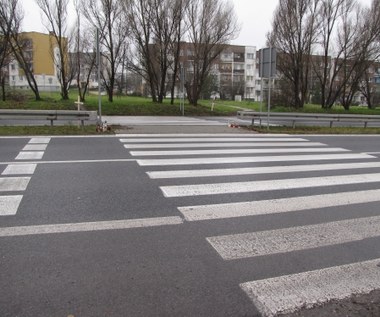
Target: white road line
19, 169
178, 135
250, 159
198, 135
214, 139
237, 151
273, 184
39, 140
35, 147
289, 293
247, 245
227, 145
90, 226
274, 206
8, 184
259, 170
33, 155
73, 162
9, 205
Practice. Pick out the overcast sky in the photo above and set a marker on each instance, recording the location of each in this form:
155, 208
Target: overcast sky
255, 17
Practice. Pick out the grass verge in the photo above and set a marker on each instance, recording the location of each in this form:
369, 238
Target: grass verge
48, 130
314, 130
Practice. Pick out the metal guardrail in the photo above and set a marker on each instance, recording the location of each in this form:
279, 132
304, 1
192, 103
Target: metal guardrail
52, 115
310, 117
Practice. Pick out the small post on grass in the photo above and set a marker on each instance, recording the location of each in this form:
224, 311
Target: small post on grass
79, 104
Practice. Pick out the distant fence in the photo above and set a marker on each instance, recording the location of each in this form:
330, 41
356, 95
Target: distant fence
307, 117
51, 115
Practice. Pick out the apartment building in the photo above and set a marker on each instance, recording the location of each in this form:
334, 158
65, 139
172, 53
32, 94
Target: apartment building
39, 49
235, 71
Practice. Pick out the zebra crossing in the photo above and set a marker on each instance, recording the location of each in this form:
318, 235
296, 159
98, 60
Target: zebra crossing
218, 160
15, 177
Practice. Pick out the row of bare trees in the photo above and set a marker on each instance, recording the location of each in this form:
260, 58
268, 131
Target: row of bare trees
207, 26
334, 41
143, 36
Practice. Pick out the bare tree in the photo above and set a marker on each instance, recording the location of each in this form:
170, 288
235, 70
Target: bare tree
109, 18
372, 25
83, 59
156, 31
210, 24
55, 11
4, 52
330, 13
11, 16
178, 14
294, 32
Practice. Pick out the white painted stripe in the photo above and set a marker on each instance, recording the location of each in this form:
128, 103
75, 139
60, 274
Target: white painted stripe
166, 135
8, 184
251, 159
289, 293
29, 155
247, 245
227, 145
90, 226
214, 139
73, 162
19, 169
9, 205
35, 147
274, 206
259, 170
273, 184
199, 135
39, 140
237, 151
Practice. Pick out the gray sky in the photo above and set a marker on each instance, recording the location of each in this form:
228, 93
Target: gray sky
255, 17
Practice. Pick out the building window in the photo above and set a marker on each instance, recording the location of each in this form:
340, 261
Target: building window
21, 78
13, 67
50, 81
250, 56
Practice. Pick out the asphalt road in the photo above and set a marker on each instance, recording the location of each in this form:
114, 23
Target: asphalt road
108, 226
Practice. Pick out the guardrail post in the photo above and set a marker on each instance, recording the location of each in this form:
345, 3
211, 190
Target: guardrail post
331, 124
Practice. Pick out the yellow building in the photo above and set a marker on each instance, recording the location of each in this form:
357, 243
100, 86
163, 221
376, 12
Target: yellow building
39, 49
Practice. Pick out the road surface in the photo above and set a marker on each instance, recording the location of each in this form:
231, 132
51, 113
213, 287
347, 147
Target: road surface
188, 224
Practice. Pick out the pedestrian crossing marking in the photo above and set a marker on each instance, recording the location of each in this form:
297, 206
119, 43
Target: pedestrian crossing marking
278, 294
39, 140
275, 206
267, 185
289, 293
252, 159
19, 169
8, 184
228, 145
237, 151
9, 204
259, 170
30, 155
35, 147
214, 139
246, 245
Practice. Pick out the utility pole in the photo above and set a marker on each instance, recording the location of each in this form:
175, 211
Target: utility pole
99, 68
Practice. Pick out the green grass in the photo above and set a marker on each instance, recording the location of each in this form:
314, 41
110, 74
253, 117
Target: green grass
125, 105
139, 106
314, 130
48, 130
